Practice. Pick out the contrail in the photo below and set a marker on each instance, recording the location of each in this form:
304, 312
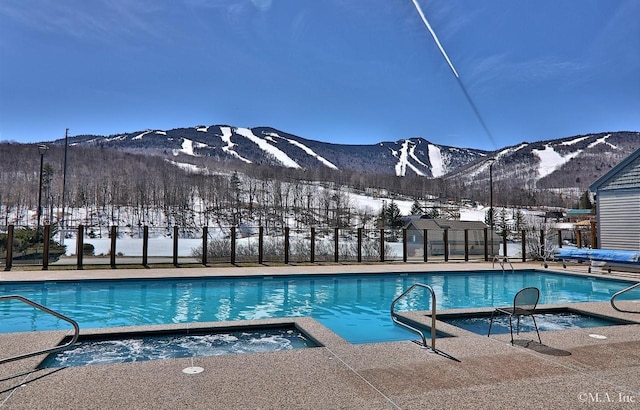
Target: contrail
435, 38
455, 73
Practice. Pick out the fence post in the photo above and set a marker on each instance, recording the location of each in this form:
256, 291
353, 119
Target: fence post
313, 245
542, 242
9, 260
466, 245
524, 246
80, 247
114, 233
260, 245
404, 244
504, 242
286, 245
175, 246
359, 244
46, 243
445, 239
559, 238
336, 244
486, 244
233, 245
205, 235
381, 244
425, 245
145, 246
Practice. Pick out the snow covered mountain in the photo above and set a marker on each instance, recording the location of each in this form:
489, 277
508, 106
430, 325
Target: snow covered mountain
571, 162
268, 146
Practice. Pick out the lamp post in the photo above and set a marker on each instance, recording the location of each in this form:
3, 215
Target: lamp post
42, 149
491, 162
64, 184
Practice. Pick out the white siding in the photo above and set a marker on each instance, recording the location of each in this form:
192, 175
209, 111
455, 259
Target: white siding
619, 219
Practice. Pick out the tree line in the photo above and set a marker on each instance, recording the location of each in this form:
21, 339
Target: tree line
114, 187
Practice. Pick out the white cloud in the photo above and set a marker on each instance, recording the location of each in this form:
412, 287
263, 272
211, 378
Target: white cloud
262, 5
104, 21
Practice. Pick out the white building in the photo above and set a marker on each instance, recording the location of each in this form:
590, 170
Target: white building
618, 205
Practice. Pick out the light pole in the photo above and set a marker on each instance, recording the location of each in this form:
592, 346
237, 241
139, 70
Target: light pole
42, 149
491, 162
64, 184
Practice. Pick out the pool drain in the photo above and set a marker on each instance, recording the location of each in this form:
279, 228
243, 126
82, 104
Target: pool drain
192, 370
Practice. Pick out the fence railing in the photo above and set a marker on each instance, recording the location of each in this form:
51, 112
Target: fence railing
178, 246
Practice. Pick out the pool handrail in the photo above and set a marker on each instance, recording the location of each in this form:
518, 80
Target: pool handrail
501, 260
433, 314
76, 329
625, 290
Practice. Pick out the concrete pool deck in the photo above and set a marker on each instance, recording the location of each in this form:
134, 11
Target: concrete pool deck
569, 370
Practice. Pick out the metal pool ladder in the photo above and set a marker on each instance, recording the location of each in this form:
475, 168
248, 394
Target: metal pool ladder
615, 295
395, 318
76, 329
501, 260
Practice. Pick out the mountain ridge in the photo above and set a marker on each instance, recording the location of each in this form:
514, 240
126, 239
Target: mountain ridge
550, 163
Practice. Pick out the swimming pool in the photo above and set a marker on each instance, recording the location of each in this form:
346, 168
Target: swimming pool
356, 307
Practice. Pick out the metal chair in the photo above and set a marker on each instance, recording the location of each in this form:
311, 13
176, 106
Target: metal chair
524, 304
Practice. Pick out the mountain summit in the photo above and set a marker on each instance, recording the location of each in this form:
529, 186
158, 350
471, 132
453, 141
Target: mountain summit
268, 146
560, 163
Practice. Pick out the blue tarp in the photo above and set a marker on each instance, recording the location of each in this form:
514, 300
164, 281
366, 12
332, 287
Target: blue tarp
602, 255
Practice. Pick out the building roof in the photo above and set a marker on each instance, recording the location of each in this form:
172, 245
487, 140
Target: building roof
623, 176
441, 223
579, 212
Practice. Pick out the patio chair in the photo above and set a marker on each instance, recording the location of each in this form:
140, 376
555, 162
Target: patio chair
524, 304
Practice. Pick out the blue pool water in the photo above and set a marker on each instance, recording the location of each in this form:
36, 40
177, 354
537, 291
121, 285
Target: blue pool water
119, 349
354, 306
562, 320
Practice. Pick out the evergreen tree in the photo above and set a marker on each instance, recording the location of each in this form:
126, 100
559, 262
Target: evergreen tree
488, 217
393, 215
585, 201
236, 191
382, 216
416, 209
518, 219
502, 220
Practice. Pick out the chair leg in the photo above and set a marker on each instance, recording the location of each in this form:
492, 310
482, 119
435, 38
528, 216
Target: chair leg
518, 325
536, 326
511, 327
491, 323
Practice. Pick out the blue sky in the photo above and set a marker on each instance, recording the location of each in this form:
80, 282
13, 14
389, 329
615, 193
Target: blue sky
343, 71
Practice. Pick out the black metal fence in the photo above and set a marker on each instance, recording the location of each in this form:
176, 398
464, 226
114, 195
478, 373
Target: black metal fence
178, 246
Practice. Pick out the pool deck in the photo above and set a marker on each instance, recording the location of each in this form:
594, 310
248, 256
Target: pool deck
569, 370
